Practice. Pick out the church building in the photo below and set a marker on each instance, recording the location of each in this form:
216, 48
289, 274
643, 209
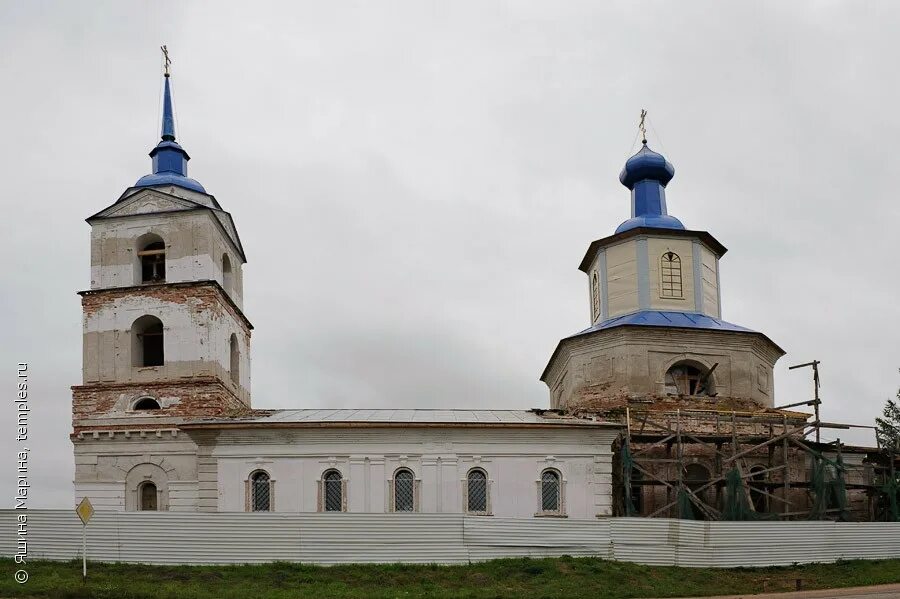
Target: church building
659, 408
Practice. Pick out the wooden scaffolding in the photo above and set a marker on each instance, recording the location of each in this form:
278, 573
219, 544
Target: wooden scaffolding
658, 448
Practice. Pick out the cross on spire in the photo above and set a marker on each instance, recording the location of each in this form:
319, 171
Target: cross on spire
641, 126
166, 60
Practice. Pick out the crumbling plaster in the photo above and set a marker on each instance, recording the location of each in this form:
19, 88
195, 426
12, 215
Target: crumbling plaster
197, 328
632, 362
194, 243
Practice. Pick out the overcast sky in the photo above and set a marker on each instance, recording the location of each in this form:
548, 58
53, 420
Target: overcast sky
415, 184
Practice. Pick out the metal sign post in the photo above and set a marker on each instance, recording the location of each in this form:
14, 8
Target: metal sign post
84, 510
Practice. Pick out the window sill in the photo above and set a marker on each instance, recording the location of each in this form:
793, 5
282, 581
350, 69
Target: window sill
550, 515
479, 513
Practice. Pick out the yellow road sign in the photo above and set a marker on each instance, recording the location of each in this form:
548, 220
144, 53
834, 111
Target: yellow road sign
85, 510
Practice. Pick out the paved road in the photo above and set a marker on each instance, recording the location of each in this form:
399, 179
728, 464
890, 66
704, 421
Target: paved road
889, 591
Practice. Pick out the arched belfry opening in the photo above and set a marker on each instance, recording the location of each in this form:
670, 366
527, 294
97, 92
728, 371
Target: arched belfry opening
688, 377
147, 347
151, 252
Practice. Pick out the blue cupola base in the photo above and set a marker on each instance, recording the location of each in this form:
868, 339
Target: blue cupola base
646, 174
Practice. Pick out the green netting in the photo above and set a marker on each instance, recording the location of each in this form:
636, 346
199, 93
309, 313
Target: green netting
890, 491
828, 488
737, 505
838, 491
737, 501
685, 506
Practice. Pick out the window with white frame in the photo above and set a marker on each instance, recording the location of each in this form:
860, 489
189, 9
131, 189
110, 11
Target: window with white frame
403, 496
550, 496
333, 492
477, 492
670, 276
260, 497
595, 296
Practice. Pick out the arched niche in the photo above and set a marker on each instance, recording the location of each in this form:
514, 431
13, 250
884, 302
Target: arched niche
135, 484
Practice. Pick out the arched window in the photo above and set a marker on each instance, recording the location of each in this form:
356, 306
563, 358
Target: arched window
260, 491
670, 276
690, 378
146, 403
696, 476
333, 491
551, 492
404, 491
147, 497
152, 254
234, 358
595, 296
477, 492
227, 280
147, 342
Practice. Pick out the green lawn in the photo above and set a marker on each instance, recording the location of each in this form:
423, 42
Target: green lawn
520, 578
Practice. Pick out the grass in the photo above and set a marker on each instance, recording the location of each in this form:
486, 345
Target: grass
564, 577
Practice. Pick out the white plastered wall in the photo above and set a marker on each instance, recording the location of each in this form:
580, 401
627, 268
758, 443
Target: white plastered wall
622, 278
105, 465
709, 266
440, 458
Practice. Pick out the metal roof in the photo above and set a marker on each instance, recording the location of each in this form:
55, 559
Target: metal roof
392, 417
659, 318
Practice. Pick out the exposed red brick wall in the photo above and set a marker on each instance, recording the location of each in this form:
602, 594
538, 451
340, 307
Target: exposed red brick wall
202, 295
199, 397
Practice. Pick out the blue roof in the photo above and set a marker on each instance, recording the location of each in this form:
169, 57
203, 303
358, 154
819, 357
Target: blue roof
646, 174
169, 159
154, 179
659, 318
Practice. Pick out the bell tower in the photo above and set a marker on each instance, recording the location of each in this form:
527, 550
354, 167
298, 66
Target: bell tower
165, 337
656, 331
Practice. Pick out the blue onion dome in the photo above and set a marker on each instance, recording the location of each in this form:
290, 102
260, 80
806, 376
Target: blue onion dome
646, 174
169, 159
646, 164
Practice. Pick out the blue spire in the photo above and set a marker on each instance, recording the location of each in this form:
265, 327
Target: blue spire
646, 174
168, 120
169, 159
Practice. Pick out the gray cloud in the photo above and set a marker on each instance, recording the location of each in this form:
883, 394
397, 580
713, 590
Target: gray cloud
415, 183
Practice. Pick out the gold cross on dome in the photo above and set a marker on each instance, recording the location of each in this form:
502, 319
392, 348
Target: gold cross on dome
166, 60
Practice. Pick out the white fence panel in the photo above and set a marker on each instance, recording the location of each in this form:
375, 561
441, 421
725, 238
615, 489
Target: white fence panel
226, 538
490, 538
382, 538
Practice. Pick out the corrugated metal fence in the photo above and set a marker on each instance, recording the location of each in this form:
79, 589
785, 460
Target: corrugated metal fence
203, 538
